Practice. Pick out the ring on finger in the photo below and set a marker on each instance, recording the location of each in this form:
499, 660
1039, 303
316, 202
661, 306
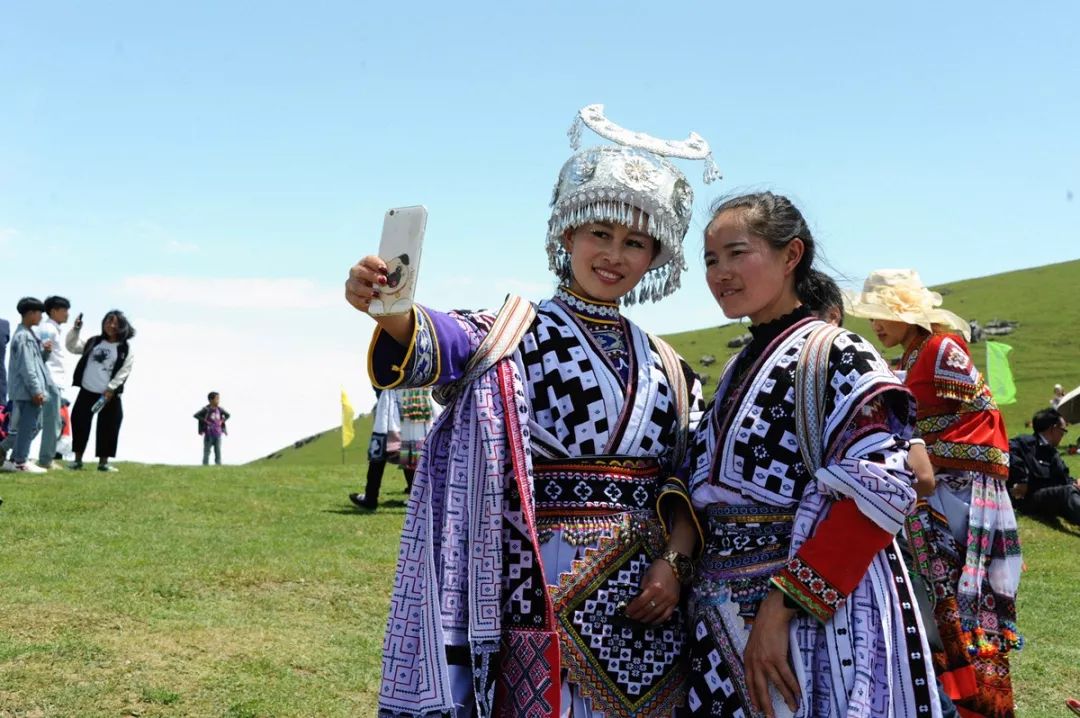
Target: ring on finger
652, 603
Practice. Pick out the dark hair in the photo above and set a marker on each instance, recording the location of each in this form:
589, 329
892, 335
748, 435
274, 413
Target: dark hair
29, 304
124, 327
211, 395
55, 302
776, 220
822, 294
1045, 419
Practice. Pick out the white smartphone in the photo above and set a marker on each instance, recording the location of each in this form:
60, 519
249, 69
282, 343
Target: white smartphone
402, 240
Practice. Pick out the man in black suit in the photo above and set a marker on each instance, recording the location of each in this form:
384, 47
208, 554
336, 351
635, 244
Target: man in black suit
1038, 476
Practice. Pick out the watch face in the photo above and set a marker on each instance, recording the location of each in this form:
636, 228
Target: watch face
682, 565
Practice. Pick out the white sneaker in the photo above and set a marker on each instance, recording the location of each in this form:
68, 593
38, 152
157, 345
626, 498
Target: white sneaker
30, 468
8, 466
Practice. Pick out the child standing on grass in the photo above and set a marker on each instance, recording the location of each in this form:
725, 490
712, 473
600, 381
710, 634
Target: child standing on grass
30, 383
212, 418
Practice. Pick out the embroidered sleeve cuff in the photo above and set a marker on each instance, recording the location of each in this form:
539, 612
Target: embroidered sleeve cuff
674, 492
391, 365
831, 563
806, 588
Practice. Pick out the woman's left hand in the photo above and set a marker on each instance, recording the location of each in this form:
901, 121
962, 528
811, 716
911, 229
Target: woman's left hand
108, 395
766, 655
659, 595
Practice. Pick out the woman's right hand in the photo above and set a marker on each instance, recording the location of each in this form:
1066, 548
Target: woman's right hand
364, 279
766, 656
362, 286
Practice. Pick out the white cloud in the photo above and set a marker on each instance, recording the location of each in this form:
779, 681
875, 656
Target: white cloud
174, 246
234, 293
7, 234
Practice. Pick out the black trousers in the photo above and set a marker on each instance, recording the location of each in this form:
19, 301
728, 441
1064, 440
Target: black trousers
374, 479
375, 476
1061, 500
108, 424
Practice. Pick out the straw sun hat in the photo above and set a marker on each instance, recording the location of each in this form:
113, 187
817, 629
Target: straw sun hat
899, 295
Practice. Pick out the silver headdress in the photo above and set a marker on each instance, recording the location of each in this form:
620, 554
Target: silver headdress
608, 183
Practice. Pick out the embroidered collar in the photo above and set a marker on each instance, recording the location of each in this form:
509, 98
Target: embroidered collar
589, 310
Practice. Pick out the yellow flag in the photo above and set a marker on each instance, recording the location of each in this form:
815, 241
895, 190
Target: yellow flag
347, 414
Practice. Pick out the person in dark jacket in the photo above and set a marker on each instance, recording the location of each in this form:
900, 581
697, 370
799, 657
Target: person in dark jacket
101, 373
1038, 476
212, 418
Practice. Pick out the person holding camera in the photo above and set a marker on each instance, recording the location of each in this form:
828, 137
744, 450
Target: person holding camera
101, 373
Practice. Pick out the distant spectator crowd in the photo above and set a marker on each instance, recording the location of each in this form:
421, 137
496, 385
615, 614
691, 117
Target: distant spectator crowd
34, 386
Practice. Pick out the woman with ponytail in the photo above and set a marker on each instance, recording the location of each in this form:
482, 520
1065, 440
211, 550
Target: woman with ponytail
801, 604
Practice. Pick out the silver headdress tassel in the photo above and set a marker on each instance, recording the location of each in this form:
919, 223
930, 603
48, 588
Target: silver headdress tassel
610, 183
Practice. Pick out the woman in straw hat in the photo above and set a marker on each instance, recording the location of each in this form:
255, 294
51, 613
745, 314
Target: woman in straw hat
964, 536
801, 604
546, 537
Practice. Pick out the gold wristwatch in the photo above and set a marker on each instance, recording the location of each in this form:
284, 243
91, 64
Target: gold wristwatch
681, 564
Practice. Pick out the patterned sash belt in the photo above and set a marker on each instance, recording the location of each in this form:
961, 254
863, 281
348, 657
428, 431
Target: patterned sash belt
594, 486
744, 547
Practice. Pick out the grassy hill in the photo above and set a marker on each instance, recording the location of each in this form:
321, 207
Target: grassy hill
325, 448
1046, 348
1046, 344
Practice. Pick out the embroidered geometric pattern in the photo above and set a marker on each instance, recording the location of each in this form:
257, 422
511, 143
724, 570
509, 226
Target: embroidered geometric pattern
970, 457
526, 689
744, 547
564, 391
764, 461
809, 589
423, 366
568, 487
955, 376
624, 667
717, 677
581, 402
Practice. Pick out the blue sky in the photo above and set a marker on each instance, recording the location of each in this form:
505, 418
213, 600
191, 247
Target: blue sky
214, 168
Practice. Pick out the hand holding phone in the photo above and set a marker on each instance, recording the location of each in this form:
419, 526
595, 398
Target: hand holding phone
402, 240
78, 321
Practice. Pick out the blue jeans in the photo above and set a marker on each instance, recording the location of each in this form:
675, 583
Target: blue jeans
50, 426
25, 423
208, 443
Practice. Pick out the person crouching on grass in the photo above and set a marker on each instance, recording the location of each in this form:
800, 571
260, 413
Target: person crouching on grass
100, 374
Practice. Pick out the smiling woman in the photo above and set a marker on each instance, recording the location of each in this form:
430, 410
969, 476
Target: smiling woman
101, 374
608, 260
573, 492
800, 465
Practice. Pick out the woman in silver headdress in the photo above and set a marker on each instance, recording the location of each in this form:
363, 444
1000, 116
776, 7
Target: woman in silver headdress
547, 537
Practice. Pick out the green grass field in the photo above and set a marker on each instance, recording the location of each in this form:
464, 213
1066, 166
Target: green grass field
257, 592
238, 592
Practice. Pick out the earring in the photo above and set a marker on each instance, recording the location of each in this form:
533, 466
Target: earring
564, 268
